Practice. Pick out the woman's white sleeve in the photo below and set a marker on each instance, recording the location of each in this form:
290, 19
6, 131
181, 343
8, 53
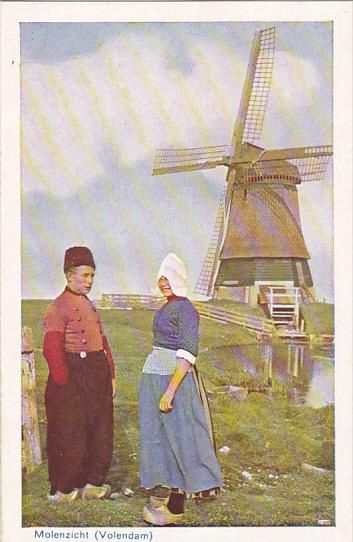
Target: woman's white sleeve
186, 355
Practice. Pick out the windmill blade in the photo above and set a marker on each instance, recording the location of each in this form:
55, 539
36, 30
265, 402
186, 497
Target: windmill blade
256, 87
296, 164
312, 168
177, 160
295, 152
205, 281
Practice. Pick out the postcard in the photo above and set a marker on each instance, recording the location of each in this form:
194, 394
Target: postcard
176, 280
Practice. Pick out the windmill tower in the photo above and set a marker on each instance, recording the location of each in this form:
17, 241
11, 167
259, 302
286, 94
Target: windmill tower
257, 238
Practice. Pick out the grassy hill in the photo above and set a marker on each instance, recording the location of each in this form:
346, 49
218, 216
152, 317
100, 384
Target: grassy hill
267, 437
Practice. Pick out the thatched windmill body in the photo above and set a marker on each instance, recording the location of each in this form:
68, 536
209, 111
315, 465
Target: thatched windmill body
257, 238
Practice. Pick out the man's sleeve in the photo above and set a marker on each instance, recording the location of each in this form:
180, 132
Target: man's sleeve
109, 355
54, 345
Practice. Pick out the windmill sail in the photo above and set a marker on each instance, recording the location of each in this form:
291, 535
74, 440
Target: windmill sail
209, 268
312, 168
256, 87
177, 160
297, 164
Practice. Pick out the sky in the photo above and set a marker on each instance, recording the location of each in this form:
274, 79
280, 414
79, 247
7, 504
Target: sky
97, 100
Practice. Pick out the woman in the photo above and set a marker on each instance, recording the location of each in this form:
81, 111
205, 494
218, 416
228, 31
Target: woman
177, 448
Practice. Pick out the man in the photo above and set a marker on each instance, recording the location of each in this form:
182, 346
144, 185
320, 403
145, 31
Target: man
80, 388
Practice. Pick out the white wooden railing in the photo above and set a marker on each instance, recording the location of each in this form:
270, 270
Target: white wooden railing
283, 304
232, 316
255, 323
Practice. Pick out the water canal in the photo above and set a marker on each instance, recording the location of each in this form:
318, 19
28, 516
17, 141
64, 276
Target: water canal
304, 371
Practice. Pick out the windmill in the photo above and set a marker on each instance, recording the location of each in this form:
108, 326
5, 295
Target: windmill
257, 237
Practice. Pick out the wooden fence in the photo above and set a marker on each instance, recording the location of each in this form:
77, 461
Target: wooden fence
31, 451
129, 301
255, 323
258, 324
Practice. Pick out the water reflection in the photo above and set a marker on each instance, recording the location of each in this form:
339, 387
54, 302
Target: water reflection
305, 371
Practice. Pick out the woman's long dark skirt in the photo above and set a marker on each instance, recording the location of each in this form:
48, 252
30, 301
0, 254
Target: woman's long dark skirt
80, 424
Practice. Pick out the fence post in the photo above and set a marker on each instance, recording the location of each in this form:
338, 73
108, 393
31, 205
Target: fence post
296, 310
31, 452
271, 302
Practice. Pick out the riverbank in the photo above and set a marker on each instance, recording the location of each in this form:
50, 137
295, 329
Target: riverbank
268, 439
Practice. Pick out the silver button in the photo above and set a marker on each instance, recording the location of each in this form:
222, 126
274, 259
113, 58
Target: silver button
83, 355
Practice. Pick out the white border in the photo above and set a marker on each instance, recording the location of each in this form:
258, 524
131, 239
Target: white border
15, 12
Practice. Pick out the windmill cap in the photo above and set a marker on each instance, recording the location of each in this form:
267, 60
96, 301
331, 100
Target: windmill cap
174, 270
76, 256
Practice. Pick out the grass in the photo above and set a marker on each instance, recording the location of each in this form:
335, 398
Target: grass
319, 318
267, 438
247, 310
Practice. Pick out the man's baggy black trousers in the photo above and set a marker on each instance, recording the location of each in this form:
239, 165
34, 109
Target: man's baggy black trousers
80, 424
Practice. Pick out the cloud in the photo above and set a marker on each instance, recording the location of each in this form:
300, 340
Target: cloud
123, 93
53, 42
91, 123
130, 225
298, 112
